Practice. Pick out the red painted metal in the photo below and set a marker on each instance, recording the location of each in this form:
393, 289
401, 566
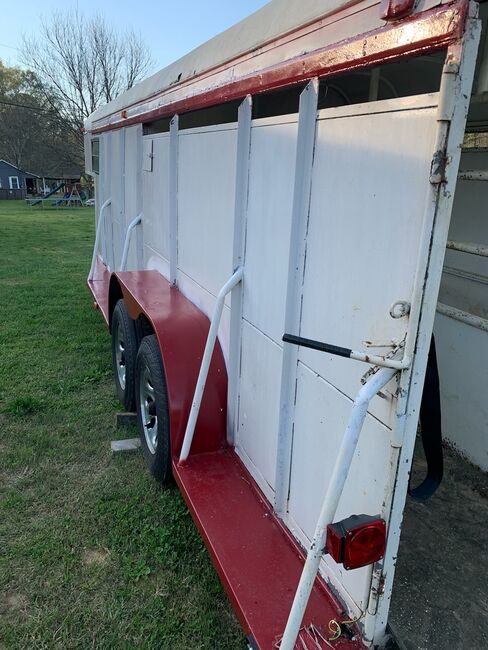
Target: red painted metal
257, 560
421, 33
395, 9
98, 285
181, 329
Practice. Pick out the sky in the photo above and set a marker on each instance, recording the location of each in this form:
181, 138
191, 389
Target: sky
170, 29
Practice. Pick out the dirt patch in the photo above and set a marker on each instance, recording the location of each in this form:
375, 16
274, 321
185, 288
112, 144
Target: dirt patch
13, 602
95, 557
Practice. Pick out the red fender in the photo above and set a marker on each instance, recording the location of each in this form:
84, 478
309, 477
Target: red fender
181, 329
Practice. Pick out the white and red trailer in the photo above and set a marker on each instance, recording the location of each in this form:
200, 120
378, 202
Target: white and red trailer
273, 212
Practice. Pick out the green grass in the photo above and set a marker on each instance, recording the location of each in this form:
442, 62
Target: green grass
92, 553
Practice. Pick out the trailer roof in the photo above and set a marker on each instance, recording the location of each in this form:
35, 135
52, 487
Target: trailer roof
267, 24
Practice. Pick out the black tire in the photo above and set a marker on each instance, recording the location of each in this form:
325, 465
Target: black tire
153, 410
124, 353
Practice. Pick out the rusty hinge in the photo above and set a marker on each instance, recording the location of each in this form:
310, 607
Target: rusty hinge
438, 167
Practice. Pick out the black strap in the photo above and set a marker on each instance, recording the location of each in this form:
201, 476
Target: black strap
430, 424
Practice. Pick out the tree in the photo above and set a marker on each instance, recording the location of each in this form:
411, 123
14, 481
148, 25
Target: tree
82, 63
32, 135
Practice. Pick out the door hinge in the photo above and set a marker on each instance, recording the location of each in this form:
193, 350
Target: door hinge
438, 168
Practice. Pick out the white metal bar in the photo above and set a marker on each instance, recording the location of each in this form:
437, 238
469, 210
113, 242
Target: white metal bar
473, 175
101, 219
135, 222
463, 316
240, 210
120, 196
173, 199
331, 501
458, 73
207, 357
307, 118
468, 247
139, 198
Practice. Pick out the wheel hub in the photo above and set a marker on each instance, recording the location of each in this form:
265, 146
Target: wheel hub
147, 404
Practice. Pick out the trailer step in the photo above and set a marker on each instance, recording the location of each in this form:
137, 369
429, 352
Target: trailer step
258, 562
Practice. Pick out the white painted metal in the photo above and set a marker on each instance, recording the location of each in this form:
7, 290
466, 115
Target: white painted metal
456, 86
463, 316
116, 225
473, 175
360, 220
240, 209
462, 356
156, 205
98, 235
270, 198
462, 348
468, 247
296, 265
329, 506
207, 357
135, 222
206, 197
173, 198
133, 192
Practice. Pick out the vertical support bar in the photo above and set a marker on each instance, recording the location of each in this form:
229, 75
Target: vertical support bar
173, 199
374, 84
121, 197
106, 152
240, 210
457, 79
307, 117
139, 231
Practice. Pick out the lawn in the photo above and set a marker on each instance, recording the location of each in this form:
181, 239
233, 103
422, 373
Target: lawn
92, 553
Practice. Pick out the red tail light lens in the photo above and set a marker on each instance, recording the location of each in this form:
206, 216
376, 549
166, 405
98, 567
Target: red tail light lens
356, 541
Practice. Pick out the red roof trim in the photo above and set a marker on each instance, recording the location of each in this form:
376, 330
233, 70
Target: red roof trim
434, 29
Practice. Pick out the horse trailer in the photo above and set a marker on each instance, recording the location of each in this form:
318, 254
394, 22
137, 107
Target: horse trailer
291, 258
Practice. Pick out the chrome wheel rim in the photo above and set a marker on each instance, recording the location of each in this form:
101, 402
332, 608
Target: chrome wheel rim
120, 355
147, 405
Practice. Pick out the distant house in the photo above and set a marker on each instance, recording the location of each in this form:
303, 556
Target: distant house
16, 183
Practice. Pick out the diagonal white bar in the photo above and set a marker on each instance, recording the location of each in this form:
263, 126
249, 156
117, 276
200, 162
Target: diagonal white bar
207, 357
331, 501
135, 222
101, 218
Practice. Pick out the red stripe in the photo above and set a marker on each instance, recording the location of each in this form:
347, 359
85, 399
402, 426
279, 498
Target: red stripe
434, 29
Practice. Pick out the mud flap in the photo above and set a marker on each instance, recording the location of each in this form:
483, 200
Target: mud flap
430, 425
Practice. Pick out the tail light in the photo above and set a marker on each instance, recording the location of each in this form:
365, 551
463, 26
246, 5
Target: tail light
356, 541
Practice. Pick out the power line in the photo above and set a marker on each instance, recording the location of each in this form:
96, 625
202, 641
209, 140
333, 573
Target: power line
11, 47
32, 108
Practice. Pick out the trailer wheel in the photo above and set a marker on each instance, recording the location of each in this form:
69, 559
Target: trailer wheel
124, 351
153, 410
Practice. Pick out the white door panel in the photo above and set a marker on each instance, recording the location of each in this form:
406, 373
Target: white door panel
206, 182
259, 405
155, 191
369, 191
271, 177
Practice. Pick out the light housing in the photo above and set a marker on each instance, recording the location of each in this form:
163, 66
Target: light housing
356, 541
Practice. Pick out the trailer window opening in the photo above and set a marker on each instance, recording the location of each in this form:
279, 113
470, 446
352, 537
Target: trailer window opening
284, 101
413, 76
95, 155
158, 126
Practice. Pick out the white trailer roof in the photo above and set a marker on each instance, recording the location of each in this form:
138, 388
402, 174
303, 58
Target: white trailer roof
268, 23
